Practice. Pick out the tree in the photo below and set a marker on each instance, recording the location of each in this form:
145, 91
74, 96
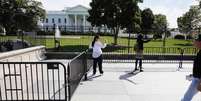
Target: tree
115, 14
96, 12
147, 21
131, 16
159, 25
190, 20
20, 14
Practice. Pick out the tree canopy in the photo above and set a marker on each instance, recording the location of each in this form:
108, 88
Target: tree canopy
190, 20
115, 14
20, 14
147, 20
159, 25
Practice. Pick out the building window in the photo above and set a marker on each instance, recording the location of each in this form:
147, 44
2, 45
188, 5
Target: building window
59, 20
52, 20
46, 20
65, 20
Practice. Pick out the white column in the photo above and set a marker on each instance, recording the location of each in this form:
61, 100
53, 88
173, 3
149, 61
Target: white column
84, 22
75, 23
67, 20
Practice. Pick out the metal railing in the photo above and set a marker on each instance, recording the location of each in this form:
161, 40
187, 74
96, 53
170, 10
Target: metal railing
9, 43
81, 29
54, 81
153, 54
33, 81
78, 68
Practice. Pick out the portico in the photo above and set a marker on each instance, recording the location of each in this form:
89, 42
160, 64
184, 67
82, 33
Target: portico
77, 15
72, 18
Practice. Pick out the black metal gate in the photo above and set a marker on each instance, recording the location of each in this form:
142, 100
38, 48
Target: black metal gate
33, 81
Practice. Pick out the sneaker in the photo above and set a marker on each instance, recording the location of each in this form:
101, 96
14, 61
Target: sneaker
136, 69
141, 70
101, 72
94, 74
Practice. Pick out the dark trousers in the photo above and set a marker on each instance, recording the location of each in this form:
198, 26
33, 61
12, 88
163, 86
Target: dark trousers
98, 60
140, 63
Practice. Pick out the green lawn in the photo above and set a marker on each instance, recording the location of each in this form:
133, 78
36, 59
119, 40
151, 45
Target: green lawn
81, 43
86, 40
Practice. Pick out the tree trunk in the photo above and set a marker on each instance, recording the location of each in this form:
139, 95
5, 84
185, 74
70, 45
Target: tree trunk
115, 37
116, 31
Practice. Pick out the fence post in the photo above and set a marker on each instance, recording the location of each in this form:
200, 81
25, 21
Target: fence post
181, 57
68, 82
85, 65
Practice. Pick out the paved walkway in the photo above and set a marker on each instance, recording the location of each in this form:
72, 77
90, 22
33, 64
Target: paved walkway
158, 82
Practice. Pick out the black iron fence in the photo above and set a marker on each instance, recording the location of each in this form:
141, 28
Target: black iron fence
81, 29
28, 39
151, 54
33, 81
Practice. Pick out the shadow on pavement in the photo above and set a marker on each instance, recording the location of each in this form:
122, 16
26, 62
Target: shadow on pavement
128, 75
91, 77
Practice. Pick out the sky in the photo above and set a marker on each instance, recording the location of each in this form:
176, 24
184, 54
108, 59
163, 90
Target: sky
171, 8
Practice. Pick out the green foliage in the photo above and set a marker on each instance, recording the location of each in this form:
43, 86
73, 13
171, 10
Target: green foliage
147, 21
115, 14
45, 33
159, 25
179, 36
20, 14
189, 36
157, 36
1, 29
190, 20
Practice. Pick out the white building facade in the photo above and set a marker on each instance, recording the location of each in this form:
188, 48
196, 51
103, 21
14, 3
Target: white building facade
72, 19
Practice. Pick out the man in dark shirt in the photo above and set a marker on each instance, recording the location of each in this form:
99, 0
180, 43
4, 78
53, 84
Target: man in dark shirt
139, 51
192, 90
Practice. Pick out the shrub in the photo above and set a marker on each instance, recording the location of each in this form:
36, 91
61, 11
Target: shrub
45, 33
157, 36
179, 36
189, 37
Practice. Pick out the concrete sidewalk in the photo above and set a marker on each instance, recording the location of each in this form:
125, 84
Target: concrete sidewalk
158, 82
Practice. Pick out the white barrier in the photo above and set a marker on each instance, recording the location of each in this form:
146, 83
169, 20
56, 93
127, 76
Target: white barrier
32, 54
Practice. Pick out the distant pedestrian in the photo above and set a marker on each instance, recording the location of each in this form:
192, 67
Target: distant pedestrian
196, 78
139, 51
97, 46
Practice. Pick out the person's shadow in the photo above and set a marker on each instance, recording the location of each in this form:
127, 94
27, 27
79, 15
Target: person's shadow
91, 77
128, 75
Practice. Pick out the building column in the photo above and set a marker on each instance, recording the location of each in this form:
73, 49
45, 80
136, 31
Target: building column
75, 23
84, 23
67, 20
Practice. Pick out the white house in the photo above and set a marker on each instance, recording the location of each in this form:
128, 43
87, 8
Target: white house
72, 19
